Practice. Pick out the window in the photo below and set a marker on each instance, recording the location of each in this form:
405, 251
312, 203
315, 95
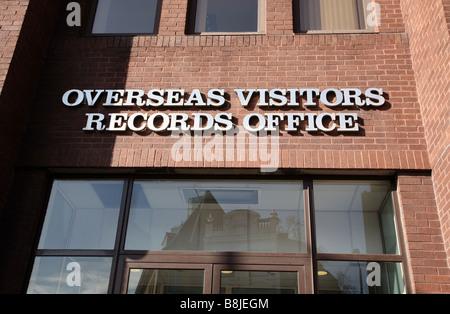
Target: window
354, 217
165, 281
126, 17
352, 277
330, 15
258, 282
216, 216
82, 215
78, 235
356, 220
231, 16
160, 236
70, 275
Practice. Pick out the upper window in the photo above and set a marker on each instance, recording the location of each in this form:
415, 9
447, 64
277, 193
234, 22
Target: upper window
126, 17
231, 16
330, 15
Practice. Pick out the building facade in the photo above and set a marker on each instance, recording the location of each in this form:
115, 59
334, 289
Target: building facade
270, 146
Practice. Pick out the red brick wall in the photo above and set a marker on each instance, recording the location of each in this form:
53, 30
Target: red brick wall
19, 225
25, 29
11, 19
393, 138
20, 61
12, 14
430, 50
423, 235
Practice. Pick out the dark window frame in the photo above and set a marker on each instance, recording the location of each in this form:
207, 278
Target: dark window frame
309, 259
91, 21
191, 17
362, 21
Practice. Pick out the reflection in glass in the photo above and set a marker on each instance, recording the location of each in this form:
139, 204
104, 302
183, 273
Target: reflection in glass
360, 278
70, 275
125, 17
331, 15
165, 281
82, 215
388, 230
217, 216
226, 16
258, 282
354, 217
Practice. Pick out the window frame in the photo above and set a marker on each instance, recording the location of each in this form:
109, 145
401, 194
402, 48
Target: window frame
344, 257
210, 179
192, 17
308, 259
112, 253
128, 263
297, 22
93, 12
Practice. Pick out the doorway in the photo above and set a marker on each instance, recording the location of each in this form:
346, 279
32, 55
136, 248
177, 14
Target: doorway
198, 278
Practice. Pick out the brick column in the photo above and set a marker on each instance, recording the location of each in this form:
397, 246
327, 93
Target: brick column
430, 54
423, 236
25, 28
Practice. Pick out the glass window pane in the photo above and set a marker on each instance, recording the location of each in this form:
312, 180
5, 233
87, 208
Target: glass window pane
331, 15
360, 278
226, 16
165, 281
125, 17
217, 216
387, 221
258, 282
82, 215
70, 275
354, 217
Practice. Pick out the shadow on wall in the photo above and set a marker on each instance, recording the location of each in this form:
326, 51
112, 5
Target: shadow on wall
38, 131
22, 76
75, 60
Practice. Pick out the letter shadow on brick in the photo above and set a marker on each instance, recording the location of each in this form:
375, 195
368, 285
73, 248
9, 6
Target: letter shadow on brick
386, 106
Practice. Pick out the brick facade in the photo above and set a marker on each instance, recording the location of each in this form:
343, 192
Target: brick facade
423, 234
21, 60
404, 137
13, 13
430, 49
392, 137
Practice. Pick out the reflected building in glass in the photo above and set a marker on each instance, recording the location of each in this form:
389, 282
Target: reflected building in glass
227, 216
125, 169
210, 228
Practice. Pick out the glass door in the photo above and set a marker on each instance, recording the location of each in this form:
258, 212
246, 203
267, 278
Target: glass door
258, 279
163, 278
167, 278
